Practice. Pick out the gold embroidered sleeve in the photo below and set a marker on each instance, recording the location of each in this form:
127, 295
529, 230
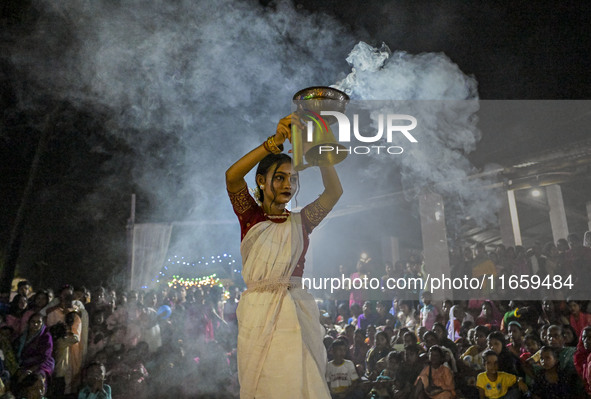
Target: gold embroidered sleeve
315, 212
241, 201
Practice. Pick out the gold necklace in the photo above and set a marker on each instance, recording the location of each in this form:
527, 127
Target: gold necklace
282, 216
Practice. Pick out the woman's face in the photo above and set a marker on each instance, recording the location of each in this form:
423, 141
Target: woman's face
486, 309
22, 303
408, 340
532, 345
430, 340
41, 300
280, 184
515, 334
445, 307
435, 358
381, 341
35, 323
586, 338
481, 339
543, 335
495, 345
439, 331
574, 308
569, 337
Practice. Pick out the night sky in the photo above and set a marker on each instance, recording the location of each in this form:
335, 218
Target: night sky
133, 98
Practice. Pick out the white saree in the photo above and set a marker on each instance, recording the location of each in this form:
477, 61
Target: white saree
280, 349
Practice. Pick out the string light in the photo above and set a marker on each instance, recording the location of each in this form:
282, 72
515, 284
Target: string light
193, 267
206, 281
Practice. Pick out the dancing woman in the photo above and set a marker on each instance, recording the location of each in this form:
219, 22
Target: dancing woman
280, 349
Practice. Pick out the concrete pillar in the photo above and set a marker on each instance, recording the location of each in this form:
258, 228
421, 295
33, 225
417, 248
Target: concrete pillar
589, 215
390, 249
433, 230
509, 220
557, 212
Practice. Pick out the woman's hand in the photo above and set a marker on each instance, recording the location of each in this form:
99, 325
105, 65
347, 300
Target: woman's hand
284, 128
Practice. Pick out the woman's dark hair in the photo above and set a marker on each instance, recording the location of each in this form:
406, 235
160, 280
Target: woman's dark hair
338, 342
429, 333
574, 333
533, 337
499, 336
95, 363
266, 164
412, 336
383, 334
14, 309
437, 348
439, 325
396, 356
550, 349
481, 329
487, 353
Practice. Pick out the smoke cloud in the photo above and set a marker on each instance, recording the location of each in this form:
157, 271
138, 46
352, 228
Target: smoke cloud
444, 100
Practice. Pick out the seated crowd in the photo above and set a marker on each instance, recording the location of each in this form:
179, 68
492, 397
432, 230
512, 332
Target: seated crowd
477, 348
167, 344
180, 343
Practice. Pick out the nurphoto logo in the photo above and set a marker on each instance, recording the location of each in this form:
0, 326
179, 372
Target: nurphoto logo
397, 126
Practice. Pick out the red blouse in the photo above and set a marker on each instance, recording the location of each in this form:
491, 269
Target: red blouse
250, 213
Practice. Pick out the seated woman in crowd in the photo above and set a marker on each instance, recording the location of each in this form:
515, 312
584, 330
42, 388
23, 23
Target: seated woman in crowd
379, 351
550, 381
436, 381
507, 361
34, 350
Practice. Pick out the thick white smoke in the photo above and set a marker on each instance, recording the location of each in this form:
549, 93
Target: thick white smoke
433, 89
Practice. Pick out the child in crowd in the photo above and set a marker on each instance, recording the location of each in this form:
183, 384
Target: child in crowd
532, 345
358, 350
429, 312
550, 382
496, 384
389, 383
341, 374
515, 331
578, 319
473, 356
95, 387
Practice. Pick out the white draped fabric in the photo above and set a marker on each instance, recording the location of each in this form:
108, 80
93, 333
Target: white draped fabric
150, 245
280, 349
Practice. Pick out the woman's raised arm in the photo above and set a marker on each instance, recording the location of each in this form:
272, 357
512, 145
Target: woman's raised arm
332, 187
235, 174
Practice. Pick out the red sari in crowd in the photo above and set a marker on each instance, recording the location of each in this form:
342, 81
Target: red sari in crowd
582, 360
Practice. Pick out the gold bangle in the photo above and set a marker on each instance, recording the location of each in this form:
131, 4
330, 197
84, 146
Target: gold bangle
270, 146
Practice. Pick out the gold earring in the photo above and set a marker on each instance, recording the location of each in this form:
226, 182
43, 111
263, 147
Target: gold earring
262, 186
